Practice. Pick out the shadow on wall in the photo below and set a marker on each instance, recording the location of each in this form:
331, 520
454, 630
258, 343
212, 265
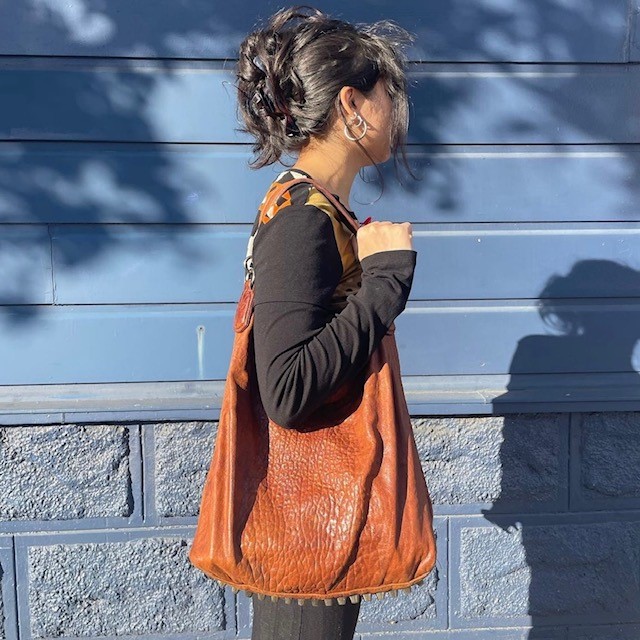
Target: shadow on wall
581, 569
85, 174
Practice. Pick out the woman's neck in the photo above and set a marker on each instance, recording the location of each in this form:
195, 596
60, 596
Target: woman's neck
331, 168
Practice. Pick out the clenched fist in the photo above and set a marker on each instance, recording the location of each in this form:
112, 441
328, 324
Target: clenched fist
383, 236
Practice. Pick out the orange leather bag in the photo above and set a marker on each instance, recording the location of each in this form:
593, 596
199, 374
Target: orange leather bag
333, 509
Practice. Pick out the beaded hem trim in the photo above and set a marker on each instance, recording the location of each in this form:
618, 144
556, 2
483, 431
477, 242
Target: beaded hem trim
316, 602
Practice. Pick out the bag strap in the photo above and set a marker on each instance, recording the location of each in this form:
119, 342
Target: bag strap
273, 197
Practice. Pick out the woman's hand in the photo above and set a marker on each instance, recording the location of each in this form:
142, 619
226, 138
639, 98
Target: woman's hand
383, 236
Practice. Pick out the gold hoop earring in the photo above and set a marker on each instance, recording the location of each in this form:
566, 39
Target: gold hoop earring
360, 122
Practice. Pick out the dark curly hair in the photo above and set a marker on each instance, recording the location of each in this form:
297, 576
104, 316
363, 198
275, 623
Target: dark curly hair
289, 75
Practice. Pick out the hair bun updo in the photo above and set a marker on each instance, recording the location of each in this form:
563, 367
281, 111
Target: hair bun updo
289, 75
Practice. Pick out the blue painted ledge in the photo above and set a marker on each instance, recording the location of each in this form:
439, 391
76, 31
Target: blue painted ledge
426, 396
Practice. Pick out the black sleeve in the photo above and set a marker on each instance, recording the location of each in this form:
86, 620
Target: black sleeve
303, 350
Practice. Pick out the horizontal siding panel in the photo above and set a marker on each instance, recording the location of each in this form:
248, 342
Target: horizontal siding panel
634, 36
526, 261
63, 182
66, 344
111, 100
70, 344
482, 30
484, 337
66, 182
125, 264
25, 265
506, 104
204, 263
67, 99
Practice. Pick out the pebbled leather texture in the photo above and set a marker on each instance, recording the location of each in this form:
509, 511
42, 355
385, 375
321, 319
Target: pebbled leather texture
334, 508
244, 308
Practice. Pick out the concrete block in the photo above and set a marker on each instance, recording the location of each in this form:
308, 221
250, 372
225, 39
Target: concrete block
183, 453
512, 460
554, 573
122, 587
609, 456
65, 472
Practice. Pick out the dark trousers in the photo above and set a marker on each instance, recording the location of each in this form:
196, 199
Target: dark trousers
281, 621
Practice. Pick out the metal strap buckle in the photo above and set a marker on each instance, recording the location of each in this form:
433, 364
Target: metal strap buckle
249, 270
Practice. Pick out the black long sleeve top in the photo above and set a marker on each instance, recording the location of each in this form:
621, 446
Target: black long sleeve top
319, 312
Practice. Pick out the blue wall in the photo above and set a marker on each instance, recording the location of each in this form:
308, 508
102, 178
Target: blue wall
125, 207
125, 204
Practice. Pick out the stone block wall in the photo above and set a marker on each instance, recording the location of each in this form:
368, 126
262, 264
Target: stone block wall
536, 517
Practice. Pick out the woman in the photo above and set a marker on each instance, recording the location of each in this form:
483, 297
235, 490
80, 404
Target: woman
336, 95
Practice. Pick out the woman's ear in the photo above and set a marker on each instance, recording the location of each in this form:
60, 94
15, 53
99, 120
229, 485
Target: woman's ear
348, 101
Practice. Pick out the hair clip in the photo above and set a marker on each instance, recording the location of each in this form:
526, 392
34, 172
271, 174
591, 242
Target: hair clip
258, 62
261, 98
292, 130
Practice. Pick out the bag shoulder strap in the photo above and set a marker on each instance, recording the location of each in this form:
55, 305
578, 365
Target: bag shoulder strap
273, 196
278, 191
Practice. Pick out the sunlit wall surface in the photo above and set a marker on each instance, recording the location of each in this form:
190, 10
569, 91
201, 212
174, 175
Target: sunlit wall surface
125, 208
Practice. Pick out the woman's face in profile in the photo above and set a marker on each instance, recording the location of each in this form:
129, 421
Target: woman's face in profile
377, 111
